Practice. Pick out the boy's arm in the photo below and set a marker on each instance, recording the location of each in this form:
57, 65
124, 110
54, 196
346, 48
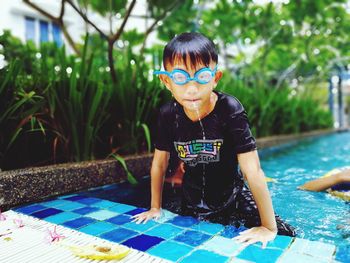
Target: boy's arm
250, 167
158, 169
324, 183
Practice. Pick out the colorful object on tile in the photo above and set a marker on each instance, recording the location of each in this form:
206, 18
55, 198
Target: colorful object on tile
53, 236
115, 252
18, 222
340, 190
2, 216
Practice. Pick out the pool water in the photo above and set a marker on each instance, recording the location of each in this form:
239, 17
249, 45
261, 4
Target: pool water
316, 216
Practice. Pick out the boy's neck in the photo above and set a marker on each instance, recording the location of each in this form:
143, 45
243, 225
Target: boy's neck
202, 112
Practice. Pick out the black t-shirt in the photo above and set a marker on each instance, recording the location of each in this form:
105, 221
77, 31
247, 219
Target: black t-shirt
209, 151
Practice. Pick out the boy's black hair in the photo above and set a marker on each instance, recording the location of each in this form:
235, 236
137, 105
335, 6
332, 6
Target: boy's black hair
195, 46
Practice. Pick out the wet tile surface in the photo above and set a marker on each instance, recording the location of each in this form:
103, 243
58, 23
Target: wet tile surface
173, 237
170, 250
118, 235
143, 242
46, 212
79, 222
165, 231
183, 221
257, 254
192, 238
205, 256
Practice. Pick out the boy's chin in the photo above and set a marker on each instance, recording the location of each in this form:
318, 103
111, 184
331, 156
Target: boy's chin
191, 105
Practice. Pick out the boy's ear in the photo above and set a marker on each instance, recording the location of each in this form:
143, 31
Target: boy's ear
218, 76
166, 80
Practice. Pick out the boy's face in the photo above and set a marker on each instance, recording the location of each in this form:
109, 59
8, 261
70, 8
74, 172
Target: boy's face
192, 95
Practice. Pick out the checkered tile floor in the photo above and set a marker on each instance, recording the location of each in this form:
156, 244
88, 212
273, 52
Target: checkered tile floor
173, 238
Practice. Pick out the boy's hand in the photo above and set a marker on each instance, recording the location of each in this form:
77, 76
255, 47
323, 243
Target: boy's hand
153, 213
256, 234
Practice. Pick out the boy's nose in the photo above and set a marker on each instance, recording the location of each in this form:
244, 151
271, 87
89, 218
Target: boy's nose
191, 88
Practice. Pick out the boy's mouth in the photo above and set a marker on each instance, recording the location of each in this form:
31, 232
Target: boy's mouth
191, 100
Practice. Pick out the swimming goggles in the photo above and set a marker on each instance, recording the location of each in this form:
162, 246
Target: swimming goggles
181, 77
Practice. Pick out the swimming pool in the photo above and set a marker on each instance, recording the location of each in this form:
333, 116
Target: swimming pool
315, 215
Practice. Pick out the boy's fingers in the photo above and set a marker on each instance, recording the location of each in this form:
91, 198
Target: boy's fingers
137, 215
137, 220
250, 242
264, 244
246, 231
243, 238
147, 217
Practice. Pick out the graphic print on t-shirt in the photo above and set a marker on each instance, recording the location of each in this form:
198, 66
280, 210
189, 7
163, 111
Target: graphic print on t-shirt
199, 151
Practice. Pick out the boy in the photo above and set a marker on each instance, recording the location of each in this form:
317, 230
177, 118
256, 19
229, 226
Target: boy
210, 133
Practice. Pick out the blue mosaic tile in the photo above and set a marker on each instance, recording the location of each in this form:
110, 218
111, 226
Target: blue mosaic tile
291, 256
222, 245
165, 216
77, 223
120, 219
121, 208
136, 211
62, 217
320, 250
257, 254
207, 227
89, 200
315, 249
231, 231
280, 242
118, 235
140, 227
299, 245
192, 238
143, 242
204, 256
101, 214
54, 203
30, 209
165, 231
183, 221
176, 252
105, 204
69, 205
343, 254
74, 197
47, 212
85, 210
97, 228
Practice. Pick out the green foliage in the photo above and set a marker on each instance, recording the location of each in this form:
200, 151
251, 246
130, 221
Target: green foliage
129, 175
134, 102
274, 111
70, 105
74, 106
105, 7
17, 105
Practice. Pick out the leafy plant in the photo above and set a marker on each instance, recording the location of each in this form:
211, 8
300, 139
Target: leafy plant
274, 111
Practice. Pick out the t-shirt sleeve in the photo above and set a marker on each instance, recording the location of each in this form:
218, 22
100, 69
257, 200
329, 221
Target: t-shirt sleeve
240, 133
163, 138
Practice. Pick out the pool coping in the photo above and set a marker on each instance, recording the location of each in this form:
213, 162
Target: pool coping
23, 186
